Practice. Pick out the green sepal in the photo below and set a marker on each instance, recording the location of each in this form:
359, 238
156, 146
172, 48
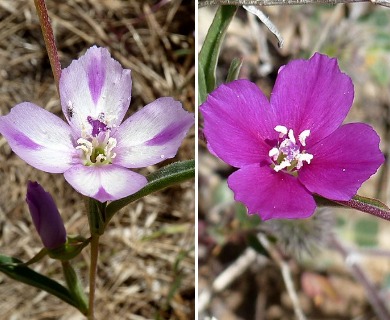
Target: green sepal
167, 176
17, 270
208, 56
72, 247
364, 204
42, 253
96, 216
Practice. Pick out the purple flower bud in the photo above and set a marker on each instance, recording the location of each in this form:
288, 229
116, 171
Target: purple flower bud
45, 215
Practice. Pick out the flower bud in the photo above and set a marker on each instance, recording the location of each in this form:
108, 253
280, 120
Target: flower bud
45, 215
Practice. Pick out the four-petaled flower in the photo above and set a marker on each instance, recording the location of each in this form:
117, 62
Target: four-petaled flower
294, 145
95, 150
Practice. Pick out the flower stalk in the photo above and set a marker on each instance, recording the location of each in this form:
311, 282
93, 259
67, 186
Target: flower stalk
50, 43
92, 274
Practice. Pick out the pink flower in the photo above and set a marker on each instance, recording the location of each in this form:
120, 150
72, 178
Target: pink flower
94, 150
294, 145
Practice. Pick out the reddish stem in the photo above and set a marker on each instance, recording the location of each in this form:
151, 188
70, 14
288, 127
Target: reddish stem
50, 43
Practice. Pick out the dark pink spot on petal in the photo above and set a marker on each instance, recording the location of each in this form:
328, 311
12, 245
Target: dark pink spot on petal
97, 126
25, 141
102, 195
96, 76
169, 133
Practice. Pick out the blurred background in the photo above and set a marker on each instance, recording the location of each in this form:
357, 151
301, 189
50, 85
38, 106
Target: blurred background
336, 257
146, 268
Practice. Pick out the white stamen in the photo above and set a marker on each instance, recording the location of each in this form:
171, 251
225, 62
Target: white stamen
85, 146
302, 137
291, 136
282, 130
288, 154
101, 158
274, 153
105, 145
284, 164
305, 157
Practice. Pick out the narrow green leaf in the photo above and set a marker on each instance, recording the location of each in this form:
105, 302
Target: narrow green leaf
74, 285
16, 270
208, 56
202, 86
234, 70
364, 204
169, 175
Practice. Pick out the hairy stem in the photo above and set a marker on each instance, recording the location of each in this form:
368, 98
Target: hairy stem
92, 274
204, 3
48, 36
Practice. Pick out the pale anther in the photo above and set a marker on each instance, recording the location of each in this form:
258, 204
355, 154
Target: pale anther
302, 137
274, 153
284, 164
282, 130
291, 136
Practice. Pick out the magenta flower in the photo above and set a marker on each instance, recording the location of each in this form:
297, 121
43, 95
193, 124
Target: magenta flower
95, 149
294, 145
45, 215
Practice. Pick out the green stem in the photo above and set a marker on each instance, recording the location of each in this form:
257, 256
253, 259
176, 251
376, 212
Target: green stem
92, 274
50, 43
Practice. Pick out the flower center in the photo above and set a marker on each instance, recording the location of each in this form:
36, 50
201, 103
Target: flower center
289, 154
98, 147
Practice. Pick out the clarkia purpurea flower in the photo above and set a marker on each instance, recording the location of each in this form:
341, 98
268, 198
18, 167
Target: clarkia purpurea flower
95, 149
45, 216
294, 145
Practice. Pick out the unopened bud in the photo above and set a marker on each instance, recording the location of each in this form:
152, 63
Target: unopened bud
45, 215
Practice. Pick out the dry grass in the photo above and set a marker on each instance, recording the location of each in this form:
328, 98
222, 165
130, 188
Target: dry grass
143, 242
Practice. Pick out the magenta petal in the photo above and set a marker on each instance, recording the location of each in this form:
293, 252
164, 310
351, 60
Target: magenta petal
104, 183
152, 134
342, 162
312, 94
38, 137
237, 121
270, 194
95, 84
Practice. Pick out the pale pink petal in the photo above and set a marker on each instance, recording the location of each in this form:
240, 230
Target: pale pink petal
342, 162
270, 194
39, 137
153, 134
93, 85
104, 183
